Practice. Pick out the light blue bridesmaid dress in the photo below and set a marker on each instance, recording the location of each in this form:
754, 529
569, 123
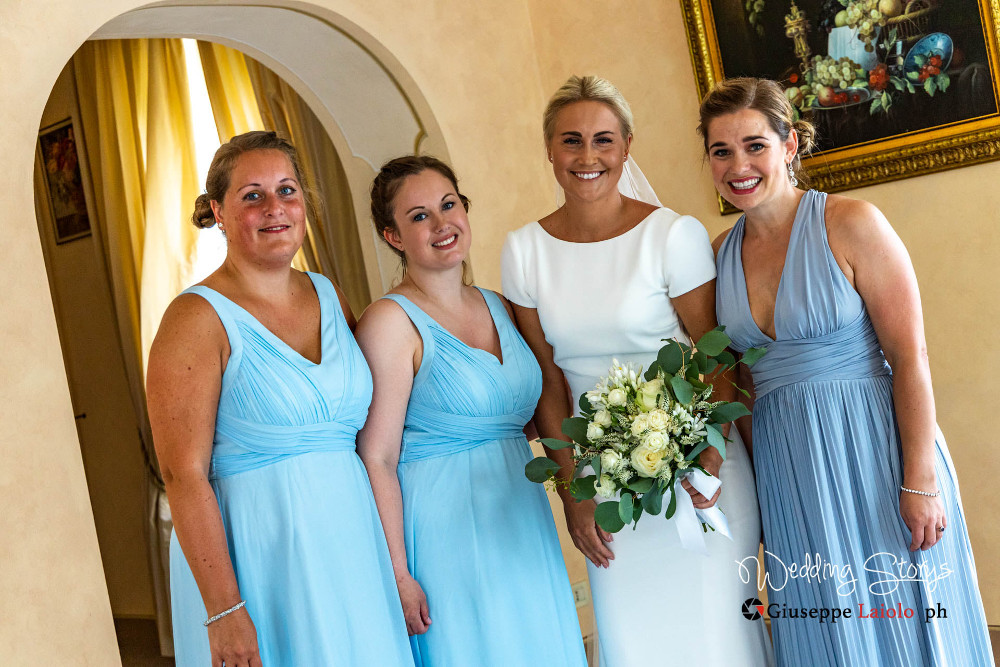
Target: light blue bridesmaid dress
304, 534
480, 539
828, 463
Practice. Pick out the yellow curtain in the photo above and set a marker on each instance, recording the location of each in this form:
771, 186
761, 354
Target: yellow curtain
333, 246
234, 104
136, 117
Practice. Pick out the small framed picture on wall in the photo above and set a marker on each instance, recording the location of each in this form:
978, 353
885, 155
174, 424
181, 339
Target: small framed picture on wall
63, 181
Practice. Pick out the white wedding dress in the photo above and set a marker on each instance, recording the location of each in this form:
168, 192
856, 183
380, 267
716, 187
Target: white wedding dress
657, 604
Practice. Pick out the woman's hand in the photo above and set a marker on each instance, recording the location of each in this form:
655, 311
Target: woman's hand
233, 640
415, 610
588, 537
923, 515
711, 461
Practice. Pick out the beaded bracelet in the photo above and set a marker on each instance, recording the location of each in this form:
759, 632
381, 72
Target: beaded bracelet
921, 493
235, 607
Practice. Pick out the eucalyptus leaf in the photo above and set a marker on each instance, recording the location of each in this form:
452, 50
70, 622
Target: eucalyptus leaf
692, 372
726, 359
713, 342
583, 488
540, 469
625, 505
584, 403
683, 390
641, 484
670, 357
753, 355
652, 500
576, 428
696, 452
672, 505
606, 516
554, 443
595, 463
700, 360
728, 412
651, 372
711, 365
699, 385
715, 439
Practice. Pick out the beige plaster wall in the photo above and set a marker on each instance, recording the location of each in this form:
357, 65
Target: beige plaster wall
485, 78
106, 425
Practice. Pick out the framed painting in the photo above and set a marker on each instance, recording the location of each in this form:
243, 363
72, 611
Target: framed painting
896, 88
63, 181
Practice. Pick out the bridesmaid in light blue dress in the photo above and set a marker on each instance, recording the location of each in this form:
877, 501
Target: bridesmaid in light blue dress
255, 406
853, 476
478, 563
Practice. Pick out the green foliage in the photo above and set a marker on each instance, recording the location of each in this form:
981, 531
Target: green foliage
652, 500
576, 428
670, 358
715, 439
555, 443
540, 469
625, 505
713, 342
583, 488
753, 355
672, 505
729, 412
606, 516
641, 484
683, 390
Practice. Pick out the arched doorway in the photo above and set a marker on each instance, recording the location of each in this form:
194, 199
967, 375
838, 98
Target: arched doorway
367, 105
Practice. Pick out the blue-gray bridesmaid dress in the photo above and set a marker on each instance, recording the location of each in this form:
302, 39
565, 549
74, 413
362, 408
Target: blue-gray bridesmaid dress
303, 531
480, 539
827, 457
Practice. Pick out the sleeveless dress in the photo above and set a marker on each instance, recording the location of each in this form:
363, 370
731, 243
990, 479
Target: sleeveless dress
479, 536
828, 461
303, 531
658, 603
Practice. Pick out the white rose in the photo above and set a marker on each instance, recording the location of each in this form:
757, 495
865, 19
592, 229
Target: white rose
602, 418
639, 425
605, 486
610, 460
656, 441
647, 462
617, 397
648, 395
594, 431
595, 398
659, 420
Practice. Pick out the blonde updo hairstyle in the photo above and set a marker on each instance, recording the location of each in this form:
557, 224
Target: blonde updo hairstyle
761, 95
229, 153
386, 186
587, 89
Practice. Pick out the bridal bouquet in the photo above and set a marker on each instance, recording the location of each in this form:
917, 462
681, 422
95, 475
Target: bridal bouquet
641, 434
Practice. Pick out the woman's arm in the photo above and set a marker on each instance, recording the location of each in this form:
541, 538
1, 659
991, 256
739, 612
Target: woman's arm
879, 267
184, 378
553, 407
696, 310
393, 349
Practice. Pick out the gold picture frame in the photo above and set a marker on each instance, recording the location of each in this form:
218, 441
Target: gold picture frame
950, 141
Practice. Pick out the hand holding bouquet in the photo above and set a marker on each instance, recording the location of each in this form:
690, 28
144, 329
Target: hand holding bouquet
642, 434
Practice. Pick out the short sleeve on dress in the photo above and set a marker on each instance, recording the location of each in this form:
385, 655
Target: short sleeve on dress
689, 261
513, 272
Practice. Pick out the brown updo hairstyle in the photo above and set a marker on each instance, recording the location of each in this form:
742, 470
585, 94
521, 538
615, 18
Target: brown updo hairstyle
587, 89
386, 186
761, 95
217, 181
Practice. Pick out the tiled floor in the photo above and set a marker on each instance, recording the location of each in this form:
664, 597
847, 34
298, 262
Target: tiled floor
139, 648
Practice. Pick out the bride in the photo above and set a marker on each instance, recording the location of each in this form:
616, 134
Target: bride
603, 276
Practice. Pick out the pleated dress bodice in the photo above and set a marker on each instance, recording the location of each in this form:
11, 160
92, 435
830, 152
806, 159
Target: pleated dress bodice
822, 328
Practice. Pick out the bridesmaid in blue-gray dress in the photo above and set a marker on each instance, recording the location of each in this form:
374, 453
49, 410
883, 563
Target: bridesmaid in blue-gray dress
853, 476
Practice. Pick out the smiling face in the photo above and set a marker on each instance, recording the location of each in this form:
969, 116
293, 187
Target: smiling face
263, 212
588, 150
749, 159
432, 226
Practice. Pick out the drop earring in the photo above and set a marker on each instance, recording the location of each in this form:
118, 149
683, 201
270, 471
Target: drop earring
791, 175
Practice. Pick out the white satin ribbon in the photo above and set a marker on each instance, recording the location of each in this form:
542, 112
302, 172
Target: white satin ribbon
688, 519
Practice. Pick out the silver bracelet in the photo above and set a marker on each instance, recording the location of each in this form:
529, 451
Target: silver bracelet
235, 607
921, 493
